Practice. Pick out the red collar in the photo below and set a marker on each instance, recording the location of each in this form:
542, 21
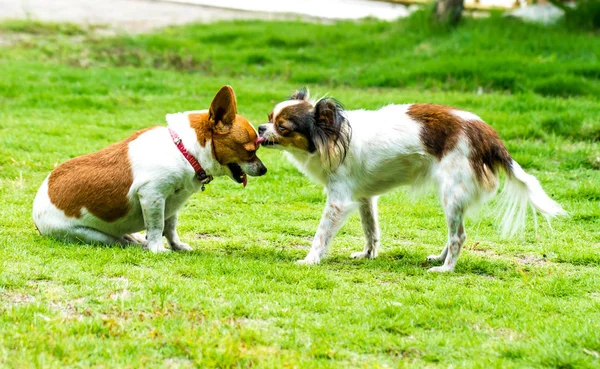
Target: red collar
200, 173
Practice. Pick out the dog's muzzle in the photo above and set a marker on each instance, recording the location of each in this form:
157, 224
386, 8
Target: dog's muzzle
265, 134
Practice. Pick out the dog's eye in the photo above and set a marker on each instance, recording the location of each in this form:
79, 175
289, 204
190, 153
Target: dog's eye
282, 129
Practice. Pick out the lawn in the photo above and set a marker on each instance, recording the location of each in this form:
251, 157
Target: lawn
239, 300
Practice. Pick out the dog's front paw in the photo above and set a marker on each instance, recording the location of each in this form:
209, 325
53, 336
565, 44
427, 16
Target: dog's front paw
309, 260
441, 269
363, 255
181, 247
157, 247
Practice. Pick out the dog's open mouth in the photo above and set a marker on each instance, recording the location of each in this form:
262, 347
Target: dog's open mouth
238, 174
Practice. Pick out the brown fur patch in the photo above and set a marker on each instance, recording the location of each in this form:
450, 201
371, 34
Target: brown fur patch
234, 139
294, 139
442, 129
487, 152
231, 143
237, 144
200, 124
99, 182
294, 120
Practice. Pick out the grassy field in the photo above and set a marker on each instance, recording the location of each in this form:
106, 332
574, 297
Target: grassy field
238, 300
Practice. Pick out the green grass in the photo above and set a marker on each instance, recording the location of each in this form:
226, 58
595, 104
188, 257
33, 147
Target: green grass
239, 300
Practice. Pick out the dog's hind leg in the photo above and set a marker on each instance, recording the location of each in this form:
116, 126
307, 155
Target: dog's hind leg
90, 235
456, 238
370, 226
458, 189
136, 239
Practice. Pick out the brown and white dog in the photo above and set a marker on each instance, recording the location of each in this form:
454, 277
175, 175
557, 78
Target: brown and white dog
142, 182
359, 155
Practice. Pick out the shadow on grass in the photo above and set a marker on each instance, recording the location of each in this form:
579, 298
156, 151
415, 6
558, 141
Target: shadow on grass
61, 242
405, 261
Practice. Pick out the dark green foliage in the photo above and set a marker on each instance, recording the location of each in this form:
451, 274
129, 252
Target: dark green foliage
581, 14
489, 55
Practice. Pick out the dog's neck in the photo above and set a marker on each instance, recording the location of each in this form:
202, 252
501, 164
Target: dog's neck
198, 142
309, 164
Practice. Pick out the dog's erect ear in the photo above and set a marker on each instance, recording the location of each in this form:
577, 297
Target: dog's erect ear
301, 94
223, 109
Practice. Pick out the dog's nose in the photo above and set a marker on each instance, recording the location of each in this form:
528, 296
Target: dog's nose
262, 170
261, 129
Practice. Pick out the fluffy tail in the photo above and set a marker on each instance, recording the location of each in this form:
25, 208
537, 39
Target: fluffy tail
522, 189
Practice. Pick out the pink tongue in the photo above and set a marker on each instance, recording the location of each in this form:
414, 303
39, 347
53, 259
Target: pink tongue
260, 140
244, 180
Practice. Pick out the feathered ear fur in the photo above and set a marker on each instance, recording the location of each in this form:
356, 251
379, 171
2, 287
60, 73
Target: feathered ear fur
301, 94
331, 132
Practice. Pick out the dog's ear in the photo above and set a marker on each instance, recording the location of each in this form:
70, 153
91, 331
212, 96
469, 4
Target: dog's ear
301, 94
223, 109
331, 132
328, 112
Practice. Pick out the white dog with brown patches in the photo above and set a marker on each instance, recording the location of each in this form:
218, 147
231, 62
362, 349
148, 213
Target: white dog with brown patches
142, 182
359, 155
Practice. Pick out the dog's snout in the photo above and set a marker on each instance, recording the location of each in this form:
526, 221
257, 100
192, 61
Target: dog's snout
255, 168
262, 129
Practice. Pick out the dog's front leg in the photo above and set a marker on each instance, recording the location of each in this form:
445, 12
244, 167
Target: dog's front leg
337, 210
153, 209
173, 237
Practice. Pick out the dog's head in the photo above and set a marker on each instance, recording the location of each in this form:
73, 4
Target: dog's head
234, 140
301, 124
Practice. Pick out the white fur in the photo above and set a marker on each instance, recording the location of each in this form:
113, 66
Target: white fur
284, 104
386, 151
162, 181
519, 191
